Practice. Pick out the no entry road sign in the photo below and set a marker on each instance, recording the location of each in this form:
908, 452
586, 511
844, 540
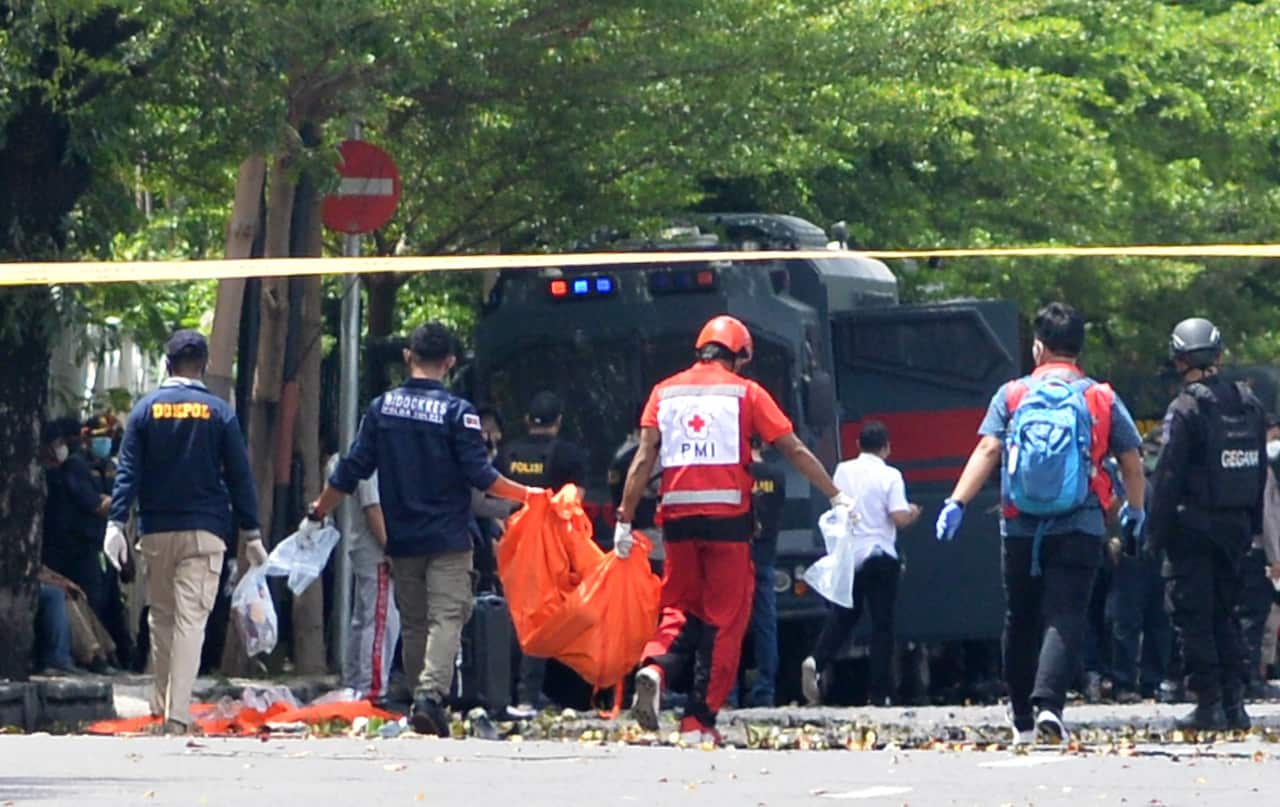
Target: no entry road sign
368, 190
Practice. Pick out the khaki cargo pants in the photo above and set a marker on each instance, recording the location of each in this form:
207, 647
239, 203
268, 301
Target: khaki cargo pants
433, 593
182, 584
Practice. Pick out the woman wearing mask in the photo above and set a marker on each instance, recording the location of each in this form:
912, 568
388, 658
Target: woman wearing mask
75, 511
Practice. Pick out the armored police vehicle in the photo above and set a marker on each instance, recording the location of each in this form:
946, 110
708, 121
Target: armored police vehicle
835, 348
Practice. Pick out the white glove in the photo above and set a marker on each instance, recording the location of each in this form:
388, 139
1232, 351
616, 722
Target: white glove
115, 546
623, 540
254, 551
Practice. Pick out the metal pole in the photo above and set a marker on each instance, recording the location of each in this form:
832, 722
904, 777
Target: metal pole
348, 422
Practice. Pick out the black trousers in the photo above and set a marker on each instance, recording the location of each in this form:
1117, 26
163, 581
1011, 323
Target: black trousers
875, 589
1045, 618
1202, 576
1256, 597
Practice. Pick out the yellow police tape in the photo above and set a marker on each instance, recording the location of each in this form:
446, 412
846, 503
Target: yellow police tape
88, 272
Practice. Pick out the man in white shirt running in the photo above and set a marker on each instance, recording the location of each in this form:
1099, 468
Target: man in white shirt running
880, 497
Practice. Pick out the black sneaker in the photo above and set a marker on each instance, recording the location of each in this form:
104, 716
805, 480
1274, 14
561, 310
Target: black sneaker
428, 717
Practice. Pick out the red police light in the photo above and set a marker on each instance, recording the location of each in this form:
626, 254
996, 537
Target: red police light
706, 278
558, 288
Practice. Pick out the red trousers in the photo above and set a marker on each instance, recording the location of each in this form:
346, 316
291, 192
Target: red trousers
707, 591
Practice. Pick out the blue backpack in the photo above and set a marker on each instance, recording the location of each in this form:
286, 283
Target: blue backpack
1047, 466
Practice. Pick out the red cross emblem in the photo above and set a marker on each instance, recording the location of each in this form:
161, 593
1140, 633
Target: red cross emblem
696, 423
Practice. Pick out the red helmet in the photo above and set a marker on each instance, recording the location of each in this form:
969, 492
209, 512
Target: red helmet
728, 332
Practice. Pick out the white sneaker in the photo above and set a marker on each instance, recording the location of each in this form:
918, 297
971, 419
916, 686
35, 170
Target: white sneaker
809, 682
648, 700
1050, 728
1021, 736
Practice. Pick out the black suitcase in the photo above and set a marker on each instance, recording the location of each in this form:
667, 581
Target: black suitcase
482, 671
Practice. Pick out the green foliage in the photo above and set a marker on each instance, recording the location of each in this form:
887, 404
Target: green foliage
527, 126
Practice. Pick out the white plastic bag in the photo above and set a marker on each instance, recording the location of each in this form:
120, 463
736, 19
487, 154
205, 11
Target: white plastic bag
303, 559
254, 613
832, 575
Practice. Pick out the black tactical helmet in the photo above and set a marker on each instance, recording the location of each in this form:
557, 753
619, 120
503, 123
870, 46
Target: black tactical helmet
1196, 341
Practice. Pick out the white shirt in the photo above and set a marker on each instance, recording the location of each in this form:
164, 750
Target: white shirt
362, 546
877, 490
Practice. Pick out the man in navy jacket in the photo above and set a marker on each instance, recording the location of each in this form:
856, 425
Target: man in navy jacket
428, 449
184, 461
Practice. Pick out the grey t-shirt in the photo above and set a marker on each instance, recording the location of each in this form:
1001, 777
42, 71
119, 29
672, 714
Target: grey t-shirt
362, 547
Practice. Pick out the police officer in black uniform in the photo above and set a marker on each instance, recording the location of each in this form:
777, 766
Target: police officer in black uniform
427, 447
541, 459
1208, 506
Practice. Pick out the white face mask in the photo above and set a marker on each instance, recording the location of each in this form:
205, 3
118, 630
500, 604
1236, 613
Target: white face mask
60, 453
1273, 450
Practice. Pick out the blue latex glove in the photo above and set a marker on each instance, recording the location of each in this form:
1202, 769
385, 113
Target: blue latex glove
949, 520
1132, 520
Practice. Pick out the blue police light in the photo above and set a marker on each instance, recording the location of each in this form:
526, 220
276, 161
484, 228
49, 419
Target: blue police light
581, 287
604, 285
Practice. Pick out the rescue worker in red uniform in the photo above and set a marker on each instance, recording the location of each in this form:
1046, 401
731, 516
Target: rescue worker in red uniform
700, 422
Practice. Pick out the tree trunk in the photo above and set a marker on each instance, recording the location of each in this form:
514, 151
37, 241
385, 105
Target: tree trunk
309, 652
242, 229
382, 303
24, 355
268, 376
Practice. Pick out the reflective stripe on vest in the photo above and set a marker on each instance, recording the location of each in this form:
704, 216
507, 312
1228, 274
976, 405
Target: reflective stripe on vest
729, 496
735, 390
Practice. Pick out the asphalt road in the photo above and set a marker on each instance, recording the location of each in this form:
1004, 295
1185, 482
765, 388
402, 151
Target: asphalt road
41, 769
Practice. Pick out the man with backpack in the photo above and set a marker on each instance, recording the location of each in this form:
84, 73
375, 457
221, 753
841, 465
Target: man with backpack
1208, 505
1049, 432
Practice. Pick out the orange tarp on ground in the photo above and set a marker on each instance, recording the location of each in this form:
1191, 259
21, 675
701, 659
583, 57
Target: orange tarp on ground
249, 721
569, 600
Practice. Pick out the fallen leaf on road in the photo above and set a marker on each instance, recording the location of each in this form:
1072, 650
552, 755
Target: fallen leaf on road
394, 768
1200, 780
420, 797
150, 794
1259, 756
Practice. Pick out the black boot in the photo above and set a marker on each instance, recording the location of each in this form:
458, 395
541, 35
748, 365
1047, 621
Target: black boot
427, 716
1233, 707
1207, 716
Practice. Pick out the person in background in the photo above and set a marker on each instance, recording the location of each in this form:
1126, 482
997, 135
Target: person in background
92, 647
542, 458
75, 511
879, 496
769, 496
99, 451
1141, 636
53, 633
1258, 571
184, 461
375, 620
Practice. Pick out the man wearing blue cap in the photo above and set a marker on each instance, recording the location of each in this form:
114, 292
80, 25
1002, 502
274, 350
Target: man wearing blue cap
184, 461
